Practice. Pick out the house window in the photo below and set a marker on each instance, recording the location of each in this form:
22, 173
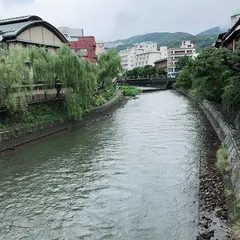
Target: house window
82, 52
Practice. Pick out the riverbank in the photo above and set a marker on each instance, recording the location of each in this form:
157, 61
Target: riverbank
12, 138
213, 202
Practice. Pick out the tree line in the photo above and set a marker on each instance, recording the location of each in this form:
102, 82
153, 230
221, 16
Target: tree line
83, 82
144, 72
213, 75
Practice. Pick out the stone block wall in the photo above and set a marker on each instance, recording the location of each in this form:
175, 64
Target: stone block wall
230, 137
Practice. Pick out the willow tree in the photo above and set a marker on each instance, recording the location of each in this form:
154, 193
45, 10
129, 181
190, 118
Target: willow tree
42, 65
14, 79
79, 80
109, 65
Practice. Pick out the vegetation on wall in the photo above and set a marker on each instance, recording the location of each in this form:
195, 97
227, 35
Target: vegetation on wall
130, 90
145, 71
213, 75
82, 82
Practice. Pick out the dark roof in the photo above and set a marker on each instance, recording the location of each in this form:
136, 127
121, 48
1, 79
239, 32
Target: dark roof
12, 27
19, 19
230, 31
161, 60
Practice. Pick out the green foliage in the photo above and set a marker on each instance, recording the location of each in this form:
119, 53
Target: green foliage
222, 163
145, 71
184, 79
14, 74
109, 67
213, 75
104, 95
21, 68
129, 90
184, 62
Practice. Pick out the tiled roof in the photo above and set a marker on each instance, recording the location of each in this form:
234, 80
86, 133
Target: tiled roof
19, 19
11, 27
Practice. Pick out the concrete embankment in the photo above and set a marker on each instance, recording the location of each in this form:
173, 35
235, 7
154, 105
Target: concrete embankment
231, 140
20, 135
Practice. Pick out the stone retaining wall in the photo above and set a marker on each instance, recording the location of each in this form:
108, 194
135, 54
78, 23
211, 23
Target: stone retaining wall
230, 137
22, 135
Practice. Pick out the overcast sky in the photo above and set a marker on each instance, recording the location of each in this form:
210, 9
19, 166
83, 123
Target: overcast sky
113, 19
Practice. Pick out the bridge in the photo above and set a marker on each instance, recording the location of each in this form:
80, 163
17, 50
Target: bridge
163, 83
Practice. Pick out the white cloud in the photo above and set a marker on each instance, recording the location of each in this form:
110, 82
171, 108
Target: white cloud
113, 19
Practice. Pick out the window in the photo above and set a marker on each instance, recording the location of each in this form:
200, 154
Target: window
189, 51
82, 52
189, 45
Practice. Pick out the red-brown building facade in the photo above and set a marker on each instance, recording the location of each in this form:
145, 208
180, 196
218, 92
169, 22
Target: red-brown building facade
85, 47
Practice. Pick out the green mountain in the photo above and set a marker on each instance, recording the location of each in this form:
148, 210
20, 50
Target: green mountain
211, 31
169, 39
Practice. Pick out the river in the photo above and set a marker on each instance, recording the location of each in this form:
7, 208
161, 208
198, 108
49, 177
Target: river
131, 175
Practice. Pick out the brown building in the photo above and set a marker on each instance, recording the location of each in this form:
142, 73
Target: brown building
30, 30
162, 63
231, 38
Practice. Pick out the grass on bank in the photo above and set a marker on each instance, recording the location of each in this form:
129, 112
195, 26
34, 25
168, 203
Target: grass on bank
222, 163
130, 90
223, 166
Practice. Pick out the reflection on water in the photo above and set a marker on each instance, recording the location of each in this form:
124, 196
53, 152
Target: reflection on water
129, 176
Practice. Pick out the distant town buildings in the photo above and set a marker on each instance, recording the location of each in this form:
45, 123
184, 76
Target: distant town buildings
142, 54
30, 30
174, 54
231, 38
108, 45
85, 47
71, 34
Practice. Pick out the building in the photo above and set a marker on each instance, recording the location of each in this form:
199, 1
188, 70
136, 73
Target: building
85, 47
162, 63
99, 47
141, 54
163, 52
186, 49
147, 58
231, 38
30, 30
71, 34
109, 45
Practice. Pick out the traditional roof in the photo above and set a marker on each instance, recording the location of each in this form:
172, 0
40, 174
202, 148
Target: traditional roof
10, 28
19, 19
231, 31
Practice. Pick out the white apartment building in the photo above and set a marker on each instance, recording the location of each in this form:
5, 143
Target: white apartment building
147, 58
163, 52
142, 54
186, 49
71, 34
128, 58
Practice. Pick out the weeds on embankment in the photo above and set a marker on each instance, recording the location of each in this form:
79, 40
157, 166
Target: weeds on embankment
130, 91
222, 163
234, 204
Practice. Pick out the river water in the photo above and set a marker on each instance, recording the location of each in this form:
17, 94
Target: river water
131, 175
